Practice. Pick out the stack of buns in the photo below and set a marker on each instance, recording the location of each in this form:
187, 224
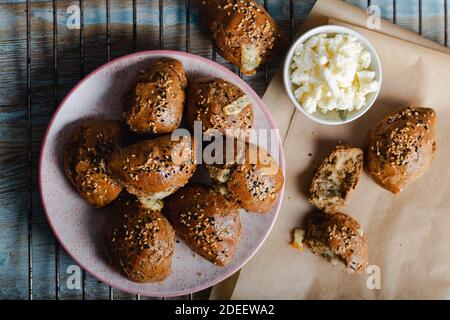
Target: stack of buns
146, 184
137, 179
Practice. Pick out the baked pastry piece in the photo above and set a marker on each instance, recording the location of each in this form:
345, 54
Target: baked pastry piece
336, 177
154, 169
155, 102
84, 160
401, 148
252, 178
220, 105
140, 241
208, 222
243, 32
338, 237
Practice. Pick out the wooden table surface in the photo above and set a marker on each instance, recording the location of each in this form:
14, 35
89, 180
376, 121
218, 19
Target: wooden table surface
41, 59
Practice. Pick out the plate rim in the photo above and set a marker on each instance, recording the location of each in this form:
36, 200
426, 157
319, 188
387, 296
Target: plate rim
246, 87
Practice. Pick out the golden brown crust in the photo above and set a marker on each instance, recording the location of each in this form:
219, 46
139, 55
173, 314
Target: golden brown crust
336, 178
208, 222
255, 178
401, 148
154, 166
207, 100
238, 26
84, 160
141, 242
156, 100
338, 236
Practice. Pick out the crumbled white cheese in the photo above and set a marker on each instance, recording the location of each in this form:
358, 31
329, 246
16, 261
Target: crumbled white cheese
332, 72
299, 236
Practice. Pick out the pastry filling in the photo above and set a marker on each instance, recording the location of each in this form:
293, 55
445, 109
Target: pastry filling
221, 175
153, 202
250, 57
237, 105
319, 248
221, 189
338, 179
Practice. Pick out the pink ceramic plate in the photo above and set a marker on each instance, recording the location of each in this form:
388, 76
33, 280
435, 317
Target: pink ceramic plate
78, 226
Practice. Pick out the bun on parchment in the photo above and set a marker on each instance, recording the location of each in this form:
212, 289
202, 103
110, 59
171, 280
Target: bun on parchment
401, 147
339, 238
335, 179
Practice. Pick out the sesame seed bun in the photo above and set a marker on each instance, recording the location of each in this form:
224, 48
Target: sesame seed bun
207, 221
155, 102
85, 160
254, 179
220, 106
401, 147
154, 168
140, 241
338, 237
243, 32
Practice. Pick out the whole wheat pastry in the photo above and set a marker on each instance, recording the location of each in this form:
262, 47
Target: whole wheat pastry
85, 160
401, 148
339, 238
250, 176
155, 102
153, 169
335, 179
140, 241
220, 106
207, 221
243, 32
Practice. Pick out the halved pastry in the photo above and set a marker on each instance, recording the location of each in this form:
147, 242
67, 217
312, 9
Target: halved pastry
207, 221
336, 177
338, 237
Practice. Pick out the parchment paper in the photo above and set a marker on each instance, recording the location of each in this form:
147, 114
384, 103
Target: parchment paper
408, 234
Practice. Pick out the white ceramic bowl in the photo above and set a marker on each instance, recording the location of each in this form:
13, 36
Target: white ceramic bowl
332, 118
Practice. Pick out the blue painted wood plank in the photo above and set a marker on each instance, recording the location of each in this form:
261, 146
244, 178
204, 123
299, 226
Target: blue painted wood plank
198, 36
12, 14
13, 226
174, 18
359, 3
147, 25
386, 8
13, 156
407, 15
433, 20
447, 24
